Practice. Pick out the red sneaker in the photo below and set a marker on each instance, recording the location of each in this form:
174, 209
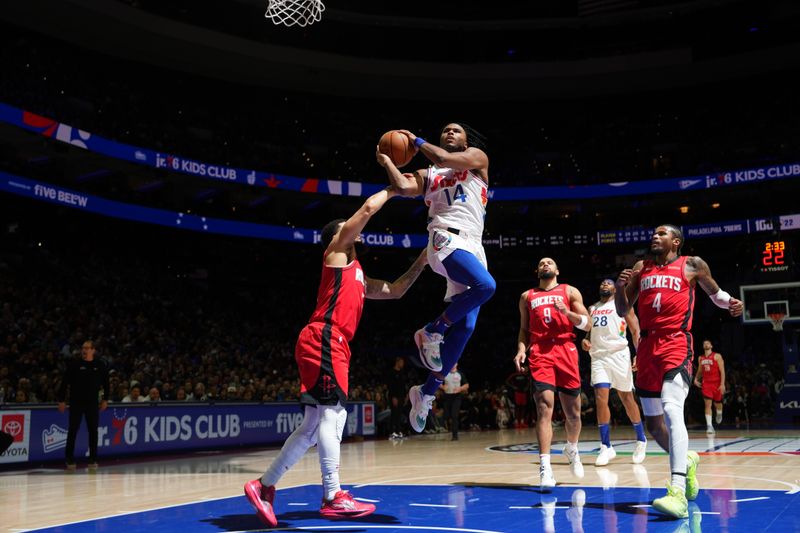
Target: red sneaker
344, 506
261, 498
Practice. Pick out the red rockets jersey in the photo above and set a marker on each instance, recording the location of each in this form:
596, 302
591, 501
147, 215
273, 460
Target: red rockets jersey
666, 300
710, 369
340, 299
545, 322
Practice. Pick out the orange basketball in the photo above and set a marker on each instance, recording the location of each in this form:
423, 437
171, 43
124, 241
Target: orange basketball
397, 147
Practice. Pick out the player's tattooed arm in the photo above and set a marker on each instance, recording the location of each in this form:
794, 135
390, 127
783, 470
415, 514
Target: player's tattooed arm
627, 288
403, 184
697, 269
524, 334
378, 289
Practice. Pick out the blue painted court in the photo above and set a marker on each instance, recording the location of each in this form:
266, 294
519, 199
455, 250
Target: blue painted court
474, 508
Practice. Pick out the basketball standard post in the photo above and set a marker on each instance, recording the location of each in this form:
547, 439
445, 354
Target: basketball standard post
778, 304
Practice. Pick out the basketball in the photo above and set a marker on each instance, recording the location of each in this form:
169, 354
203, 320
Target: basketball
397, 147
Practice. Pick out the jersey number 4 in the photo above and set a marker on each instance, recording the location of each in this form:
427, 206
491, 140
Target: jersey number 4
657, 303
458, 195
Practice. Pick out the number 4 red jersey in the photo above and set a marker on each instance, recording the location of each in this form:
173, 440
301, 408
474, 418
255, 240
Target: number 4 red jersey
545, 322
666, 299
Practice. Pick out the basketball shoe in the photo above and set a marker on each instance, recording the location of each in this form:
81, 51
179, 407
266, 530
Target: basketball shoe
607, 453
639, 452
420, 406
575, 465
546, 479
261, 498
692, 486
428, 345
344, 506
673, 504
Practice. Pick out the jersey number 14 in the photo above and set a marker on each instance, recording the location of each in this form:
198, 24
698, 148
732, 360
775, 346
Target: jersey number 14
458, 195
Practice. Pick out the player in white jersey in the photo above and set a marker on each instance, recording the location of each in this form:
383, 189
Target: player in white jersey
455, 188
607, 343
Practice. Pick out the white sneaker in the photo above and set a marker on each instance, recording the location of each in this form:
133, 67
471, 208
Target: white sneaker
607, 453
710, 430
575, 465
428, 345
420, 406
546, 479
639, 452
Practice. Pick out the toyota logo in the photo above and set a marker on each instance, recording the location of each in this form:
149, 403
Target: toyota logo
13, 428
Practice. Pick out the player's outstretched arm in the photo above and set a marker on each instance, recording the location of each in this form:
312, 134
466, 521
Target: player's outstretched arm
627, 288
578, 314
378, 289
470, 159
698, 269
524, 334
354, 225
405, 184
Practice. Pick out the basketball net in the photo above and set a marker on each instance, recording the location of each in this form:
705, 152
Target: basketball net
777, 321
294, 12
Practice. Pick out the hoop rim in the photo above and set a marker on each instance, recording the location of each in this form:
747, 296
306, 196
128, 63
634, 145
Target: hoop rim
776, 319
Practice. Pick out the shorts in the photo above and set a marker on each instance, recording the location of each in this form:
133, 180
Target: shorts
442, 243
615, 369
712, 392
661, 356
554, 366
323, 360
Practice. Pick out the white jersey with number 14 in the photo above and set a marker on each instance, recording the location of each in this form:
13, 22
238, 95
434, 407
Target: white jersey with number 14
456, 199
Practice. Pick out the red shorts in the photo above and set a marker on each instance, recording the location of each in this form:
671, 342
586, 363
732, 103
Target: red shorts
323, 359
554, 366
662, 356
711, 391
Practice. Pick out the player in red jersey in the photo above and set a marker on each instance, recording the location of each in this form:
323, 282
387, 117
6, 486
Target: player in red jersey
323, 357
548, 314
711, 380
664, 287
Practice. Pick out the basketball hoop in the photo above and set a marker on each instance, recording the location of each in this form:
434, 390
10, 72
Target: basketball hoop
294, 12
777, 321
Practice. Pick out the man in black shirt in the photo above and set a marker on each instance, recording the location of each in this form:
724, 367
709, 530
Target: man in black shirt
87, 381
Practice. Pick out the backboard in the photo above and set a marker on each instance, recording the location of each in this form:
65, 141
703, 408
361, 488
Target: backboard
762, 300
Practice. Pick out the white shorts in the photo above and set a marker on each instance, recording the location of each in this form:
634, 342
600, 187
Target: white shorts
615, 369
441, 243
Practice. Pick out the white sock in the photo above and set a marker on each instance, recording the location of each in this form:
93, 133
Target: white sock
544, 459
673, 396
719, 416
708, 421
679, 482
298, 443
331, 426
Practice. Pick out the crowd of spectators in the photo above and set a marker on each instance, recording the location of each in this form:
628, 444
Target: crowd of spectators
171, 330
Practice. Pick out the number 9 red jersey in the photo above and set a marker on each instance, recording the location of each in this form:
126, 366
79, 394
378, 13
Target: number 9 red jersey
545, 322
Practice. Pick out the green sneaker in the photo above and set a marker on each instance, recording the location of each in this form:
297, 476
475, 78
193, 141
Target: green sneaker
692, 486
673, 504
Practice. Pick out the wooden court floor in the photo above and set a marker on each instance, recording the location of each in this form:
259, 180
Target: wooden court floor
730, 460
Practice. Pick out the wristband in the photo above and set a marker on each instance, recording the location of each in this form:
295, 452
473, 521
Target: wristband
583, 322
419, 141
721, 299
